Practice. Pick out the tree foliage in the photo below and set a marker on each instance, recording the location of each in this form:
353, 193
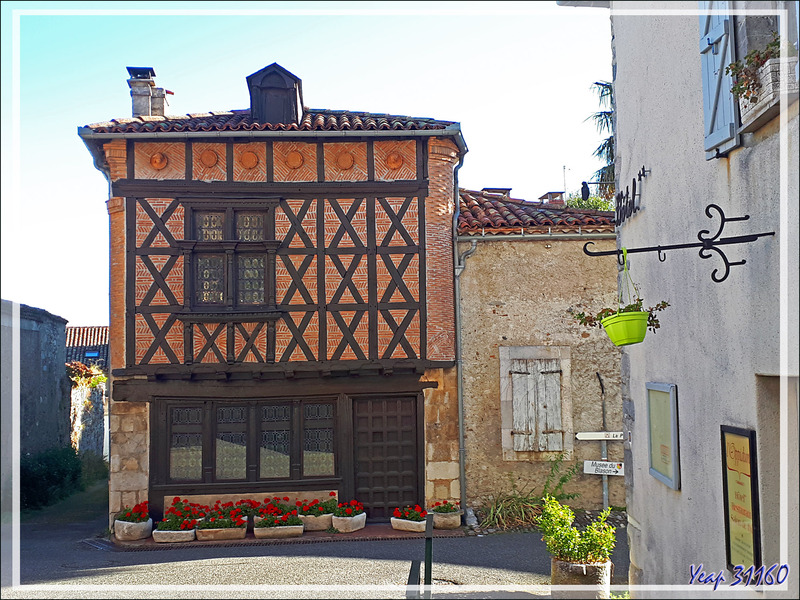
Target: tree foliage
604, 121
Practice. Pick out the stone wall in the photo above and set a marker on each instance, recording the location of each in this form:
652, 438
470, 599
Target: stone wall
129, 463
516, 294
44, 385
441, 437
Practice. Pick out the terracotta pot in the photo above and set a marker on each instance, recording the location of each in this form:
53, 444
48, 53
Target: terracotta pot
406, 525
447, 520
127, 531
282, 531
348, 524
320, 523
179, 535
228, 533
595, 575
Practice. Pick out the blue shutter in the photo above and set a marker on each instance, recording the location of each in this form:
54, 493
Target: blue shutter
720, 108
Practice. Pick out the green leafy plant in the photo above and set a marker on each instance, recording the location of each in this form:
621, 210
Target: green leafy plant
285, 520
635, 304
138, 514
332, 529
316, 507
181, 515
445, 507
84, 375
594, 320
593, 202
49, 476
520, 507
222, 516
417, 513
568, 543
746, 82
348, 509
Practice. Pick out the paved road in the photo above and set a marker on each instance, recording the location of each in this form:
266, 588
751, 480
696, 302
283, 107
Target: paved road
57, 562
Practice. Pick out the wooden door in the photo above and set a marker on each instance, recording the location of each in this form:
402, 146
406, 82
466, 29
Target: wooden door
388, 470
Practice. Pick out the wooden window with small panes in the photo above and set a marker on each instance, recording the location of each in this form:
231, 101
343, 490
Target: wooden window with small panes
229, 258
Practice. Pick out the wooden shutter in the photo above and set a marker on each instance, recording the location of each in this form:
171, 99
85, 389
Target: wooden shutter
536, 409
720, 108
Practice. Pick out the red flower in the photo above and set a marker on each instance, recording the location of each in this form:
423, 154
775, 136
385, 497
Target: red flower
349, 511
286, 498
332, 494
397, 512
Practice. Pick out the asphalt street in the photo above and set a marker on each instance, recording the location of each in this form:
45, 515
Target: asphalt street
62, 555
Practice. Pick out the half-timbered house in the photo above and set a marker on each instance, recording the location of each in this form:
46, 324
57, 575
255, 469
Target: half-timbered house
282, 312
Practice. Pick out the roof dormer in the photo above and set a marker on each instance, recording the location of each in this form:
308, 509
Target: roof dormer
276, 96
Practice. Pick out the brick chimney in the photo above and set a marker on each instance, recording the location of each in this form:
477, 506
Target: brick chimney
147, 100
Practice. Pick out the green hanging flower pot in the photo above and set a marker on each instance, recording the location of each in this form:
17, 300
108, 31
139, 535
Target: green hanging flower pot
627, 324
624, 328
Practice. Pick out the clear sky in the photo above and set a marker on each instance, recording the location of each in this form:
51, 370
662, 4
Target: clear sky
516, 75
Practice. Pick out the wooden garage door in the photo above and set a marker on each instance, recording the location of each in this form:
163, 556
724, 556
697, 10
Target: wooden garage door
388, 472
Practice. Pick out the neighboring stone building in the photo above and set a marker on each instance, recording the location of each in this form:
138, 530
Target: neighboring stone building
89, 405
711, 470
523, 269
282, 314
43, 382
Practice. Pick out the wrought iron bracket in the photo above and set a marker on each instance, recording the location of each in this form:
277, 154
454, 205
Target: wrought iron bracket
707, 244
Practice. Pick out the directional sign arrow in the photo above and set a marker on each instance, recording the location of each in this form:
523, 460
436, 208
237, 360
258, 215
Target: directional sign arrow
599, 435
601, 467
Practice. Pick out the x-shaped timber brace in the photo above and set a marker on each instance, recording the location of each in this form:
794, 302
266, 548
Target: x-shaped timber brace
706, 244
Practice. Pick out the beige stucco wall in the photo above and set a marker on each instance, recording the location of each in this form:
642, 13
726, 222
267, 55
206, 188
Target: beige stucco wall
517, 293
720, 343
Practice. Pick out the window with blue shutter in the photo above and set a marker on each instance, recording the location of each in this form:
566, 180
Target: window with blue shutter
720, 108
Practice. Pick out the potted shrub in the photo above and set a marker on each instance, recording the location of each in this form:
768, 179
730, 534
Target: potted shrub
409, 519
627, 324
275, 525
133, 523
222, 522
179, 522
756, 82
349, 516
446, 515
577, 557
317, 515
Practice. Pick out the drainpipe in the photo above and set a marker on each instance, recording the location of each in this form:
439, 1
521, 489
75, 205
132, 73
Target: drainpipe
459, 264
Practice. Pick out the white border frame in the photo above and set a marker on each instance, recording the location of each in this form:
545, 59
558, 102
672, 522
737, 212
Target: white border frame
675, 454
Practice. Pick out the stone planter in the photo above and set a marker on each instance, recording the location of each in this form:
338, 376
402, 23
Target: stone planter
178, 535
595, 575
348, 524
126, 531
280, 532
320, 523
753, 116
228, 533
406, 525
450, 520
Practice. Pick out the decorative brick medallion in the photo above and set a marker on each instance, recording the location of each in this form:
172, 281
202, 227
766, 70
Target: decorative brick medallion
294, 160
394, 161
209, 158
345, 161
248, 160
158, 161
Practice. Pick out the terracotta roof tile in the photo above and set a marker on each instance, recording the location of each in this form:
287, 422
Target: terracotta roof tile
240, 120
486, 213
88, 345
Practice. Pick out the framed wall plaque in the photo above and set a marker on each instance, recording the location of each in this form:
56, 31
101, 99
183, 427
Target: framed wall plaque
740, 496
662, 422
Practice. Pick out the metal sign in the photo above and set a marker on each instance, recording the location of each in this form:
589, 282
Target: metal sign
599, 435
600, 467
